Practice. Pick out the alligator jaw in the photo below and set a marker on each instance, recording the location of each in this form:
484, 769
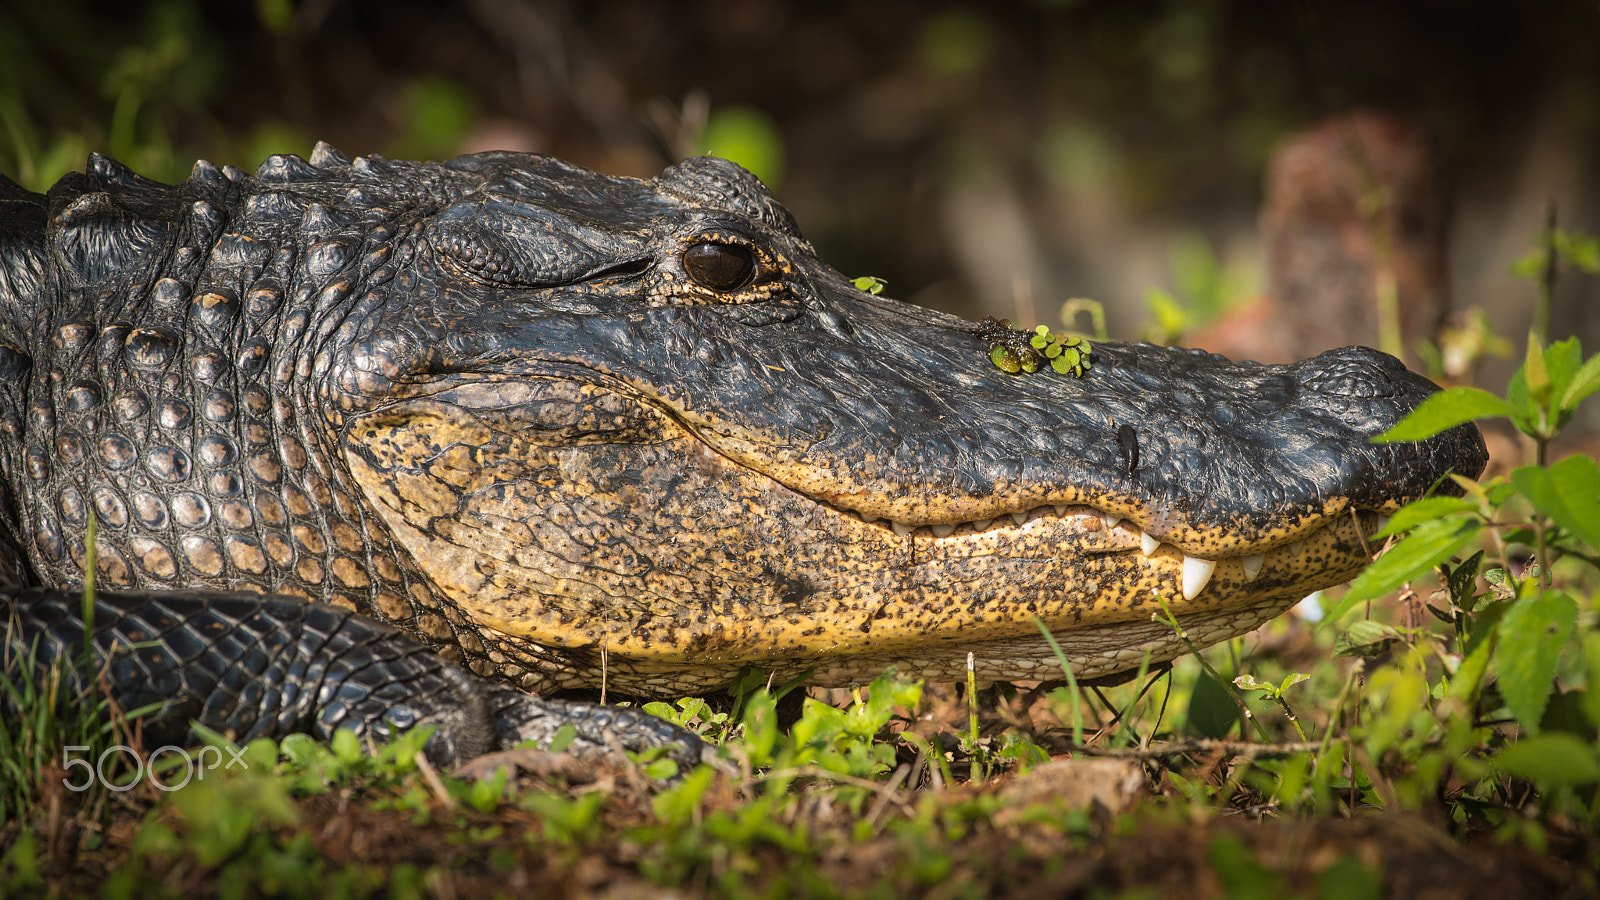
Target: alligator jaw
684, 566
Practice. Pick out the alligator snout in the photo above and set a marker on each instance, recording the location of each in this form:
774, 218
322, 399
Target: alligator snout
908, 421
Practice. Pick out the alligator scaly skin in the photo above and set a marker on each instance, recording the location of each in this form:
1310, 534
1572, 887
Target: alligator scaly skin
251, 665
566, 430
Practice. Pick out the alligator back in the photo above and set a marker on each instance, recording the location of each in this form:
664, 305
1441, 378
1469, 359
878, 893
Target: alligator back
157, 347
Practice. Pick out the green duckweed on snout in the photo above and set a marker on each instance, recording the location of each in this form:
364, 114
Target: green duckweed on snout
1026, 352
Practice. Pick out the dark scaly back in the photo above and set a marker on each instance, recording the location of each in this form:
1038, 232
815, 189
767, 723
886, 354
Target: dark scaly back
165, 356
22, 287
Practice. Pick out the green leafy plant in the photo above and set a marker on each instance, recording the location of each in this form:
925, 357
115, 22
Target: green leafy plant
1206, 287
1542, 264
1013, 351
1520, 696
872, 284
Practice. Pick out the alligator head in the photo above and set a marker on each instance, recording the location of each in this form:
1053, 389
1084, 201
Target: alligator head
576, 427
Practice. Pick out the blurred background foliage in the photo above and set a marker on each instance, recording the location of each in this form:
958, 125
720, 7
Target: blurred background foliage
980, 157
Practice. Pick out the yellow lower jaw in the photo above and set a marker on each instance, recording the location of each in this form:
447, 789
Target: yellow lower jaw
676, 565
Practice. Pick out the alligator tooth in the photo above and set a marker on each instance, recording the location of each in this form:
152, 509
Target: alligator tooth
1061, 509
1112, 520
1252, 565
1196, 574
1148, 543
942, 530
1310, 607
982, 524
1021, 518
868, 518
1295, 547
903, 529
1379, 523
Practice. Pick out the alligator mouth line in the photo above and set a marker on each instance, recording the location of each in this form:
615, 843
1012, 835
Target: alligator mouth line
1124, 536
648, 540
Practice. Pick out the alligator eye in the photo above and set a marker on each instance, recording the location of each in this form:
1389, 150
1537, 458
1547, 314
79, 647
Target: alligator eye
720, 267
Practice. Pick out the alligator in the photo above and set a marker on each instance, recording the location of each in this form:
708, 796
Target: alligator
368, 443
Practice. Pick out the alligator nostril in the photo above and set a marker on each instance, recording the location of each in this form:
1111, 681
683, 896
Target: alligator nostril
1128, 445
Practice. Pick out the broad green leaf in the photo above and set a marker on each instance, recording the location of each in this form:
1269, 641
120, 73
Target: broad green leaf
1292, 680
866, 718
1348, 878
1568, 492
346, 745
1584, 382
1591, 693
1561, 360
301, 749
819, 722
748, 136
1240, 874
1495, 493
661, 710
438, 113
1463, 580
659, 770
563, 738
1551, 759
1249, 683
1485, 624
760, 721
1275, 691
1400, 697
1444, 410
1566, 713
1171, 318
1428, 545
1578, 249
1532, 633
1212, 711
677, 805
1534, 372
260, 754
1524, 412
1468, 678
1415, 513
1365, 638
1531, 264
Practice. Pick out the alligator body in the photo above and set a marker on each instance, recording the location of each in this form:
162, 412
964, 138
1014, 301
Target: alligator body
562, 428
